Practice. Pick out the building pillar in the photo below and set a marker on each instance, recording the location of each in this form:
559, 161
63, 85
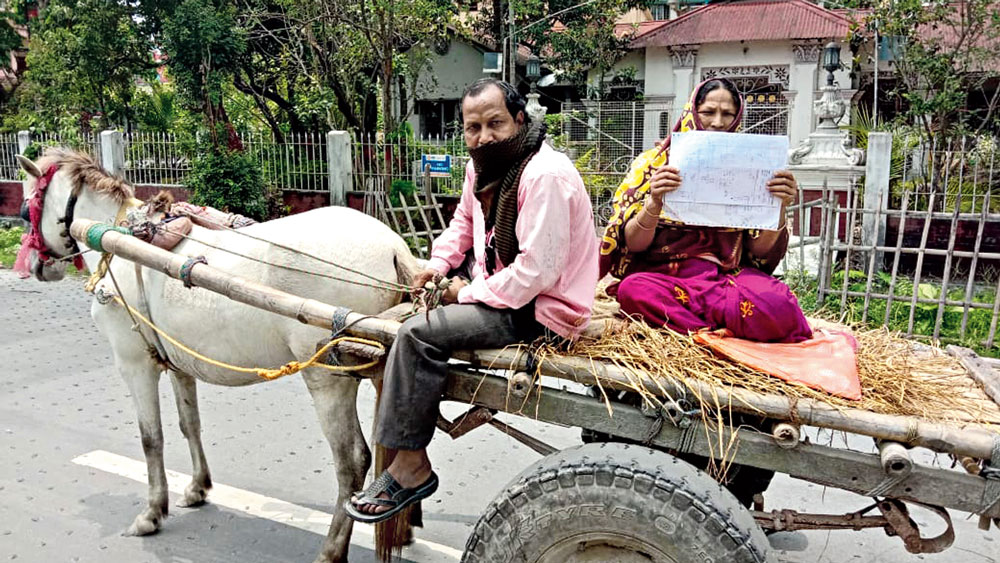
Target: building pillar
339, 173
684, 60
658, 93
113, 152
802, 83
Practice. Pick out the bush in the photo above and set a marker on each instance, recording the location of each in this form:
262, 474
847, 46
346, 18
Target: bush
10, 243
404, 187
230, 181
977, 326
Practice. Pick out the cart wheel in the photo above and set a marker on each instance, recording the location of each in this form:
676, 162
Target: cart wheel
613, 502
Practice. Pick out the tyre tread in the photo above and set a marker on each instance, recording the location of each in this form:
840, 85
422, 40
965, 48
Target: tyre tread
567, 471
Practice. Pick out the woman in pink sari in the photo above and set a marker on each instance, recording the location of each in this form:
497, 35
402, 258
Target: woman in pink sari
689, 278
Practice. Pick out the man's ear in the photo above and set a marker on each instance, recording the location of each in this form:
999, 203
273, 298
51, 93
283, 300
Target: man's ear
520, 118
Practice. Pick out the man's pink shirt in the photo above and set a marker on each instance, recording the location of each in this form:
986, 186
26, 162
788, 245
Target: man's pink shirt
557, 240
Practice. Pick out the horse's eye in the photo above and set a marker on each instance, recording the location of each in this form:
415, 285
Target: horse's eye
24, 212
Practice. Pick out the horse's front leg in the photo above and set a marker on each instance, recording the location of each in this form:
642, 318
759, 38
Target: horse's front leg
186, 394
335, 400
142, 377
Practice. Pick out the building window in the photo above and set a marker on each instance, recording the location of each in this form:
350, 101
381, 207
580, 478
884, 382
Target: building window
664, 124
659, 11
437, 117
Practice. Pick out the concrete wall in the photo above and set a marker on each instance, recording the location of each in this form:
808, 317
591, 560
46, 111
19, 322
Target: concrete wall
449, 74
11, 195
634, 59
663, 81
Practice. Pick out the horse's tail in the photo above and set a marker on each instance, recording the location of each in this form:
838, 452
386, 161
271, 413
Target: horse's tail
407, 266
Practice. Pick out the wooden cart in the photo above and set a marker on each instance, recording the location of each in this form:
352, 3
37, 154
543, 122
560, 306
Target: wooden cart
627, 496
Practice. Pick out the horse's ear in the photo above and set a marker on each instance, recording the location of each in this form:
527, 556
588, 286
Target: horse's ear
28, 166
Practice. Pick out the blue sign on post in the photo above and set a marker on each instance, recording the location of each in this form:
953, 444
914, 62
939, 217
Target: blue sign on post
439, 164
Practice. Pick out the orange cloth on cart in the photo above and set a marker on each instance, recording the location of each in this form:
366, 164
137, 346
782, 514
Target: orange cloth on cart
826, 362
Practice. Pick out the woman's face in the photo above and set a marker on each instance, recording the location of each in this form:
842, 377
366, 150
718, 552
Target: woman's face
718, 111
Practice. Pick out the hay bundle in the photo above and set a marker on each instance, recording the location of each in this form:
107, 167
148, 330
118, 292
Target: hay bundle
898, 377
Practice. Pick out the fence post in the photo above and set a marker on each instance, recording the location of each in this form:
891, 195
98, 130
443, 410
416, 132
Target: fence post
338, 162
876, 193
113, 152
23, 141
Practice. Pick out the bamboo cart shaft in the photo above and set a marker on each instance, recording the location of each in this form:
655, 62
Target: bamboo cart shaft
969, 440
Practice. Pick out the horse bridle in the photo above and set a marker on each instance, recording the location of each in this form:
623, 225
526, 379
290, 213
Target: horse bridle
70, 246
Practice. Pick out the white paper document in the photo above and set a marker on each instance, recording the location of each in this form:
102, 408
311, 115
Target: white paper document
724, 179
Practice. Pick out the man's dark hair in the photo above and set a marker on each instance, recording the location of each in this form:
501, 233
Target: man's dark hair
513, 99
713, 85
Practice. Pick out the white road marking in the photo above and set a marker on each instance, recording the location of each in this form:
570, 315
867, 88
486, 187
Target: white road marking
260, 506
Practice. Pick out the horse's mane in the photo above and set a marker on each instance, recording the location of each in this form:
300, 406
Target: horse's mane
83, 169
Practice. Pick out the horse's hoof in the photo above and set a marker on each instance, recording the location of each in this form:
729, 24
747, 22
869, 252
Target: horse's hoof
194, 495
143, 525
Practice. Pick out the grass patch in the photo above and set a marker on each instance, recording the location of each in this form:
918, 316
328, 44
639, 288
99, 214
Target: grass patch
977, 326
10, 242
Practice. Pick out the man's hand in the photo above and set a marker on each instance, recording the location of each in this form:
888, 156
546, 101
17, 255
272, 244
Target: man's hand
451, 294
421, 279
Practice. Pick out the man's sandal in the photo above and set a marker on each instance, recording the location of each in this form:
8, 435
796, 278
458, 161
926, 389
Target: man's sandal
399, 497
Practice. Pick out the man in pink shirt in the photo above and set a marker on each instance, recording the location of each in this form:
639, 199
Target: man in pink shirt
521, 253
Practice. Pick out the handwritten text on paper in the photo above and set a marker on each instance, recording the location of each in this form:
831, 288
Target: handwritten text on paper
724, 179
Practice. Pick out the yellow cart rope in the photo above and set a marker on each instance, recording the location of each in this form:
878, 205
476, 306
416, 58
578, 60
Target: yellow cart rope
265, 373
102, 267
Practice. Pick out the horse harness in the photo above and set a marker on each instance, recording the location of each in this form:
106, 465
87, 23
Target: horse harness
71, 250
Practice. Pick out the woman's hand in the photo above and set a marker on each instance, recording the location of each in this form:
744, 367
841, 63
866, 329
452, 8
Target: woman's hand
666, 179
783, 186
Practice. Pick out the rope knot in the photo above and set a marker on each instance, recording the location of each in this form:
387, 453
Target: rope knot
287, 369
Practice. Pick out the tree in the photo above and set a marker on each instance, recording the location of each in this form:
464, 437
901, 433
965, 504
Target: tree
946, 51
346, 56
10, 41
204, 47
570, 36
84, 57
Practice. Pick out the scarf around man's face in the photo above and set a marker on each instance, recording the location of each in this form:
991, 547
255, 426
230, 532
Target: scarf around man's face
499, 166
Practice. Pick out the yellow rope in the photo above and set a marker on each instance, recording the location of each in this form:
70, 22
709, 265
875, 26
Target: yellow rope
264, 373
102, 267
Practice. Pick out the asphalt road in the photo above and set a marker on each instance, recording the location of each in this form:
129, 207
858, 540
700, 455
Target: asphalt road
71, 464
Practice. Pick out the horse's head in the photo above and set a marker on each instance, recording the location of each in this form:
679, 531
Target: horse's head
47, 202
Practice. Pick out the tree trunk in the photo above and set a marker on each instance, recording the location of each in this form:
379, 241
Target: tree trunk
388, 120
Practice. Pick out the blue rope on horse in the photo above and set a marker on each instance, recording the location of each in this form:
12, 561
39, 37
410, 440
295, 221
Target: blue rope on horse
96, 232
185, 271
339, 321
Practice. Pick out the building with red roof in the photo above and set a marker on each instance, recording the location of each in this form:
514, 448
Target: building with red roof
770, 48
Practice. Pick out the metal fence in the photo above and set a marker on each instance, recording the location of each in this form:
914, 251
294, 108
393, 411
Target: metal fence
934, 272
9, 169
157, 158
87, 142
297, 163
385, 168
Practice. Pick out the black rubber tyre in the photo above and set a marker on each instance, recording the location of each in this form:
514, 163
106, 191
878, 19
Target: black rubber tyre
613, 502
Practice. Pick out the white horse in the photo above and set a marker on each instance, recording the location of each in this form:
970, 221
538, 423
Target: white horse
223, 329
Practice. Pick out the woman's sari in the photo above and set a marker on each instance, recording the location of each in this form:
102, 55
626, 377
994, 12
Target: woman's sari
694, 277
